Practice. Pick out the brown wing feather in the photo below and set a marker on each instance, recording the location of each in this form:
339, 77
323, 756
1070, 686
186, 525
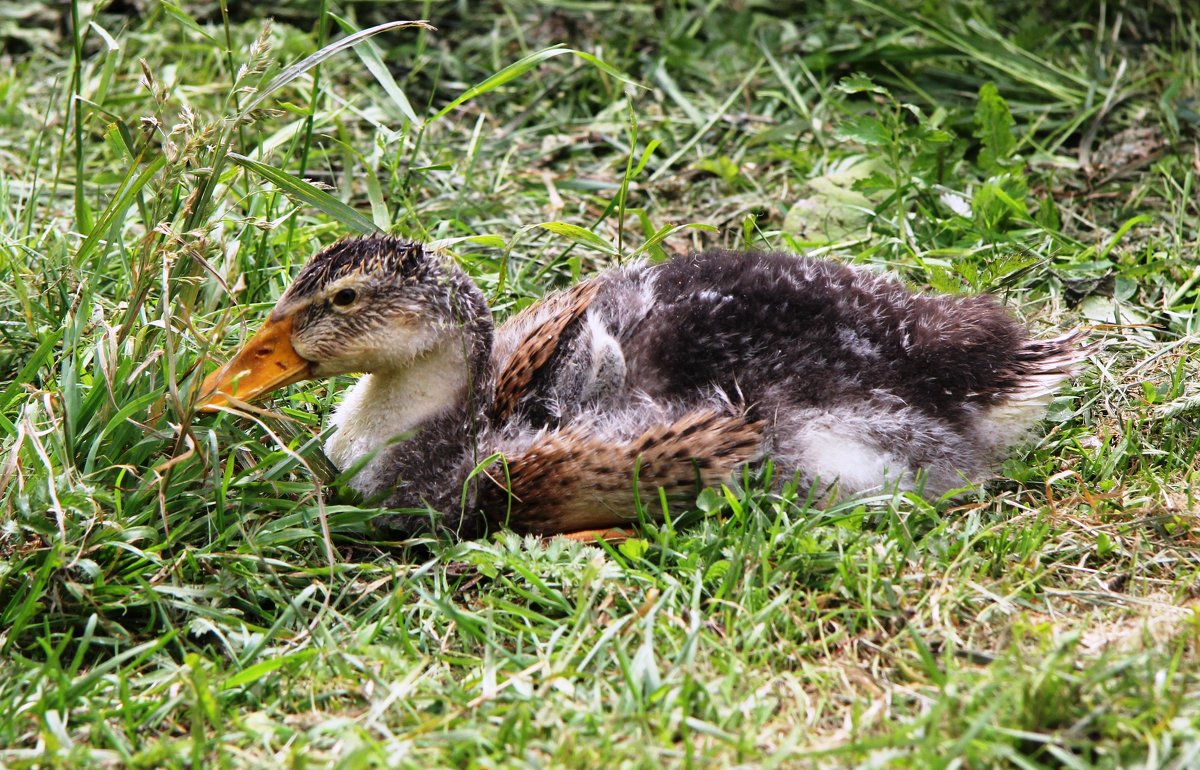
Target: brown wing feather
572, 480
529, 339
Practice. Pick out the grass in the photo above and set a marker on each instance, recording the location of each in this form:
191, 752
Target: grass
184, 591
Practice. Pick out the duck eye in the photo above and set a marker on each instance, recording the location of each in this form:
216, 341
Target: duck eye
345, 297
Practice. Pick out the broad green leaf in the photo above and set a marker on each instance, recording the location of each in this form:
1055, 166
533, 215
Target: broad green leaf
859, 83
634, 548
876, 181
867, 131
830, 208
993, 127
722, 166
936, 136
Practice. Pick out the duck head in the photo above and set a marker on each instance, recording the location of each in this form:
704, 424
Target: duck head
373, 305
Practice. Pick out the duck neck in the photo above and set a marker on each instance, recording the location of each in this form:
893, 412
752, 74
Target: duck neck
392, 405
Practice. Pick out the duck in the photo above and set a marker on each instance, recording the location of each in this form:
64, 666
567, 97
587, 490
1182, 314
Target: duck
627, 393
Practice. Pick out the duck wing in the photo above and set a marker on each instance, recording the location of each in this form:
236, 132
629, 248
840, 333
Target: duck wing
592, 476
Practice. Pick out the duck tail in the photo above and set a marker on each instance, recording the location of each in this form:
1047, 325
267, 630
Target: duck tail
1041, 366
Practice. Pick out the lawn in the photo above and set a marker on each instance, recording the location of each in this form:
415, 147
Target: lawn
185, 590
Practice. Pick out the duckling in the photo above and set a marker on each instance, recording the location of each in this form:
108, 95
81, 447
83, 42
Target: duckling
647, 377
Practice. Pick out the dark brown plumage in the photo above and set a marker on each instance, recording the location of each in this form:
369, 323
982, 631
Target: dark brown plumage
684, 370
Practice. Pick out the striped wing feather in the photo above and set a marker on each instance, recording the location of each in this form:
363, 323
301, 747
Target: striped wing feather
527, 342
571, 479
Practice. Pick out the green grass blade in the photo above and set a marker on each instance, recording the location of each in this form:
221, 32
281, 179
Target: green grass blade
262, 668
304, 192
372, 58
580, 235
667, 232
184, 18
130, 187
522, 66
291, 72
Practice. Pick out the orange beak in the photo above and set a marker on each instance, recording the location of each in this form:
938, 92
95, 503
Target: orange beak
267, 362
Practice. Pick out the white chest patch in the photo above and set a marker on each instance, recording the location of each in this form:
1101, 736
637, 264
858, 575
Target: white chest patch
382, 407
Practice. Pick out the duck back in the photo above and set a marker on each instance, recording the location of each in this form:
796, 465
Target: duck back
756, 323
